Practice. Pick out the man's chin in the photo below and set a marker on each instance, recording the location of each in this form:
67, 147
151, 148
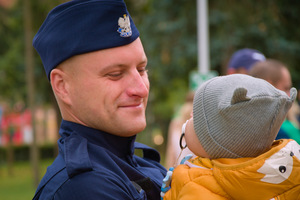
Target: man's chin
134, 129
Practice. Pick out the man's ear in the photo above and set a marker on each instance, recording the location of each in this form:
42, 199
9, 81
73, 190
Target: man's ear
60, 85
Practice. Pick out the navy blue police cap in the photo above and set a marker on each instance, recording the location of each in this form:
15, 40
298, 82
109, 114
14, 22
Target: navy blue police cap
82, 26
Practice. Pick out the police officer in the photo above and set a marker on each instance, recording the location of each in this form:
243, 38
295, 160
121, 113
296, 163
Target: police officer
96, 64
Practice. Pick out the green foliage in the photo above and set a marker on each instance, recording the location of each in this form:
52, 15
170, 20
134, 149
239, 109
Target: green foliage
12, 83
168, 31
12, 45
40, 10
269, 26
169, 34
19, 185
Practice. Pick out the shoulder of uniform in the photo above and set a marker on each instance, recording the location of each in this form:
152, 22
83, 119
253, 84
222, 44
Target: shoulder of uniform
76, 155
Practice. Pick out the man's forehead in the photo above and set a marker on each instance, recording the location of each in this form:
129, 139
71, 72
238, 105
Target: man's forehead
106, 59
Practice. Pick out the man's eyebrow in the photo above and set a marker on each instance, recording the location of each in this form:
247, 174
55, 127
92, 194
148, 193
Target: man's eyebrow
111, 67
121, 66
143, 62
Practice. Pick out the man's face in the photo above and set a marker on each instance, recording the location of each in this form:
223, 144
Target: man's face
109, 89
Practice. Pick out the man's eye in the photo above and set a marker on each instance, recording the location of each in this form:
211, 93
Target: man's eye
142, 71
114, 74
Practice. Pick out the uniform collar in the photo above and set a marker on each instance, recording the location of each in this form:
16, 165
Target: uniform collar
120, 146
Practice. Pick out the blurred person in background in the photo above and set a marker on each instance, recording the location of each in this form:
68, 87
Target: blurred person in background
298, 101
242, 61
276, 73
96, 64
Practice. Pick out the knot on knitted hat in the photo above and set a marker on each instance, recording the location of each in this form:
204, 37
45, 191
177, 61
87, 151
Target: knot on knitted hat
239, 95
239, 115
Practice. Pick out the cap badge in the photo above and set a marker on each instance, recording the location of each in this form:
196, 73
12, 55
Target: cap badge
124, 26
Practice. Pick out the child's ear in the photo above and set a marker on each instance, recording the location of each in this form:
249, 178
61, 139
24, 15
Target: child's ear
239, 95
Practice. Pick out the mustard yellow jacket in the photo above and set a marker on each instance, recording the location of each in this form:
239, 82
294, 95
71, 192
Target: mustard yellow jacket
273, 175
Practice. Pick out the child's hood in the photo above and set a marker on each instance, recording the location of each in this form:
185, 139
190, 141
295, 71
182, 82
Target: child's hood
270, 174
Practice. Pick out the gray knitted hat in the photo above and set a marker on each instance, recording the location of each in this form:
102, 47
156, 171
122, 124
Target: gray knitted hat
239, 115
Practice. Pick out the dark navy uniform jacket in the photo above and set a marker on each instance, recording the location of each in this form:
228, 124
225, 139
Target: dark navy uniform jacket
96, 165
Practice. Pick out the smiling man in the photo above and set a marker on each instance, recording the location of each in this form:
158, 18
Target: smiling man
96, 64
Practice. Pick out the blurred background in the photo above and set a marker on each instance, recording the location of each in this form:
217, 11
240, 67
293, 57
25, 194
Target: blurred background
29, 117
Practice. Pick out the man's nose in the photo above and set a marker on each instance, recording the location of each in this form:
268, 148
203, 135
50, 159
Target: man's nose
139, 85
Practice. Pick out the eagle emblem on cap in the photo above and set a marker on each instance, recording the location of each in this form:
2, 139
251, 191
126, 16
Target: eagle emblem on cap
124, 26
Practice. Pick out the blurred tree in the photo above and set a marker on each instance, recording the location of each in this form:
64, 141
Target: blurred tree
30, 83
12, 82
17, 31
12, 45
269, 26
169, 33
40, 10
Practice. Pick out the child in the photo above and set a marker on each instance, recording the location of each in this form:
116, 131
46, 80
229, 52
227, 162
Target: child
235, 121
